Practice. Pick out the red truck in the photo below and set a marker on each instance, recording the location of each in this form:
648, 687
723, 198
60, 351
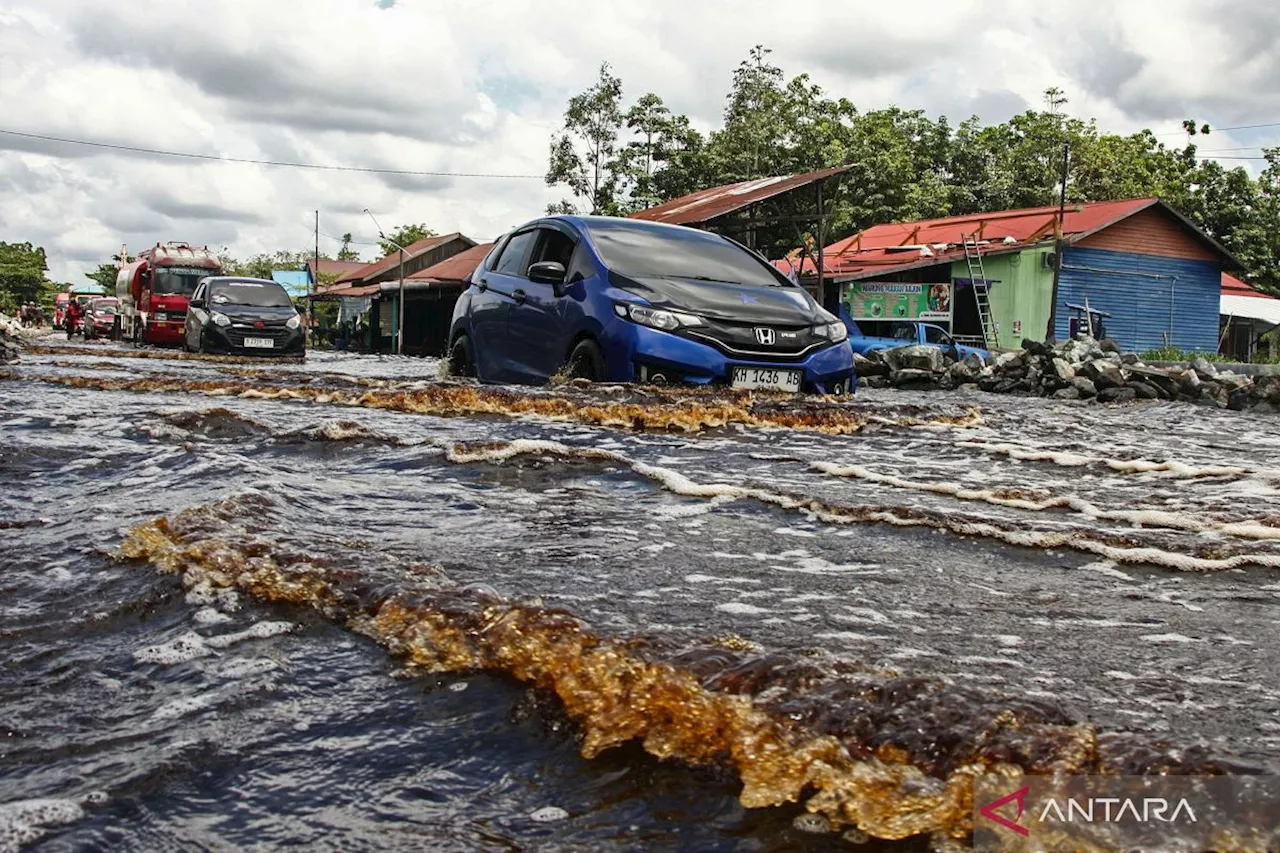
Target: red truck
155, 288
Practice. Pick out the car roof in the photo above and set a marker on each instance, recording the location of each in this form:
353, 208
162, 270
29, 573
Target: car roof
232, 279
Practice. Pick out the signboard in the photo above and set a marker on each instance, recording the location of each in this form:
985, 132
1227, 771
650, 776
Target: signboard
899, 300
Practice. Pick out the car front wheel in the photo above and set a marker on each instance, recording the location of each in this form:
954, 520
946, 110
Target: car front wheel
461, 358
586, 362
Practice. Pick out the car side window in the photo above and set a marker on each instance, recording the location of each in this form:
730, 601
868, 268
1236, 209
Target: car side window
934, 335
199, 294
904, 332
510, 262
553, 245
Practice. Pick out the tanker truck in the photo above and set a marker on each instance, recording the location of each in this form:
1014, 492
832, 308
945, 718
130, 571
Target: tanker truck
154, 290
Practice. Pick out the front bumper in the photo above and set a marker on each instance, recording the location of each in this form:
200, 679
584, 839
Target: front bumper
164, 332
646, 354
285, 341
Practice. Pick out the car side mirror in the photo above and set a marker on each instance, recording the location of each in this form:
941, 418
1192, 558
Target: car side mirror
547, 272
197, 303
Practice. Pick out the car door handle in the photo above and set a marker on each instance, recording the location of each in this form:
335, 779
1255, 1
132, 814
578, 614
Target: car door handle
519, 296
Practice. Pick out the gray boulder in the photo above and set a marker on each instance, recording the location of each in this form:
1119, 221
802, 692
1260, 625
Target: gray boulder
1084, 386
1063, 369
911, 377
1104, 373
914, 358
1068, 393
1144, 390
865, 367
1117, 395
1203, 368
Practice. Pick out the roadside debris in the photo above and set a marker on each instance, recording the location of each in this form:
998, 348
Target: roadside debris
1079, 369
12, 339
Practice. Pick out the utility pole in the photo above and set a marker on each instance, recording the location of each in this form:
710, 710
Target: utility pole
315, 284
1058, 243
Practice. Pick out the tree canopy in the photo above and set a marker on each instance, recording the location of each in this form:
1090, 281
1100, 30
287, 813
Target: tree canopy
616, 157
22, 275
405, 236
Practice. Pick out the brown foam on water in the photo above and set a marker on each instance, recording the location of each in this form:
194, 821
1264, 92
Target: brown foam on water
635, 409
165, 355
1169, 468
891, 755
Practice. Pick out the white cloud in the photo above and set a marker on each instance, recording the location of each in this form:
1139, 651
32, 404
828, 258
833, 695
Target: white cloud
480, 87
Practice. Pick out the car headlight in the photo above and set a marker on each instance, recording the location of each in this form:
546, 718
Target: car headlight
656, 318
221, 319
160, 315
835, 332
293, 322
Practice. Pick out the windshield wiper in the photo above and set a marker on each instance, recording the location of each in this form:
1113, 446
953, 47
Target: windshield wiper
716, 280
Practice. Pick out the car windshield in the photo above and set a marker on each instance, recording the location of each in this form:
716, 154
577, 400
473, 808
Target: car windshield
104, 307
639, 251
178, 280
252, 293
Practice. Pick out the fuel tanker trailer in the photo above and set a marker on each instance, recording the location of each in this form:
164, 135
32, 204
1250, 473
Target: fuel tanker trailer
155, 288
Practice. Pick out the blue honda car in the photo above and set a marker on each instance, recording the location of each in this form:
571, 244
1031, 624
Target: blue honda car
621, 300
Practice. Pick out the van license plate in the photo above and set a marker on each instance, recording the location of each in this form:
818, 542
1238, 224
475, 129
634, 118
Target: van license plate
260, 343
766, 377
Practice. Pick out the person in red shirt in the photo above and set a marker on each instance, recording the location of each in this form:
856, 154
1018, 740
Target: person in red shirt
75, 315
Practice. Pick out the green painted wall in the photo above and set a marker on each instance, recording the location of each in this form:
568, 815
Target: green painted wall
1021, 294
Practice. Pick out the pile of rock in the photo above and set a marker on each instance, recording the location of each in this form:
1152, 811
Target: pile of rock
1079, 369
12, 338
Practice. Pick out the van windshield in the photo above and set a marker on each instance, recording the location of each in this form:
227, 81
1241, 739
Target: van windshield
251, 293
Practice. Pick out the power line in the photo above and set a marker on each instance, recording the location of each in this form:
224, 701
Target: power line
221, 159
1224, 129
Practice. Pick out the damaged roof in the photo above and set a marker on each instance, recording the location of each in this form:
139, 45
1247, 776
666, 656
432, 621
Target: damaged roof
705, 205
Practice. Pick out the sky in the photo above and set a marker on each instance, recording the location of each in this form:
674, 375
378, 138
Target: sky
479, 87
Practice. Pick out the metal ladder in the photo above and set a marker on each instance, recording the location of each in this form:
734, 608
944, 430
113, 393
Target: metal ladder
981, 294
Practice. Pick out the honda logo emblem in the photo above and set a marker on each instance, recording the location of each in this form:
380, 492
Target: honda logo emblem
765, 336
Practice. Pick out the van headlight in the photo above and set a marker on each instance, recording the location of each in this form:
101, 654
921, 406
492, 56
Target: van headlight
293, 322
656, 318
835, 332
221, 319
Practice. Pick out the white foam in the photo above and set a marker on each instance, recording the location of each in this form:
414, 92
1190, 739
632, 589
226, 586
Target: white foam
741, 608
819, 566
1168, 638
1108, 568
256, 631
548, 814
182, 707
185, 648
209, 616
23, 821
849, 636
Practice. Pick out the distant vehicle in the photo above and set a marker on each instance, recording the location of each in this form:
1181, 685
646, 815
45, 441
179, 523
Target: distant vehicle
905, 333
100, 316
244, 315
60, 308
155, 288
620, 300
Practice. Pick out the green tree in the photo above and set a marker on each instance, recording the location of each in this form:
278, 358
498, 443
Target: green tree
582, 154
405, 235
346, 253
751, 143
22, 275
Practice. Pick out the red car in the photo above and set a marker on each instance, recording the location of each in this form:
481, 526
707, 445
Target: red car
100, 317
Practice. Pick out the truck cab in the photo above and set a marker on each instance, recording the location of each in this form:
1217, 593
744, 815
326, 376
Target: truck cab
155, 290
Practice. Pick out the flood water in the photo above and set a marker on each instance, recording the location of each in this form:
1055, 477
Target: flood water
341, 605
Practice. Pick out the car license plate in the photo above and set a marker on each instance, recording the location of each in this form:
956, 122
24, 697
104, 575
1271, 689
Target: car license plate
260, 343
766, 377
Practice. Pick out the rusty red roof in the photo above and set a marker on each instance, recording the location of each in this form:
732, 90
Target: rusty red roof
708, 204
426, 244
336, 269
1232, 286
351, 290
905, 246
456, 268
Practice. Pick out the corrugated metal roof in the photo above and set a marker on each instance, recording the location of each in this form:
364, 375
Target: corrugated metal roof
1023, 226
352, 291
708, 204
1267, 310
412, 250
1232, 286
337, 269
903, 246
456, 268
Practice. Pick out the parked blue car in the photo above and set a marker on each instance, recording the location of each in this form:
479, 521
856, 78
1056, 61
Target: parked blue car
621, 300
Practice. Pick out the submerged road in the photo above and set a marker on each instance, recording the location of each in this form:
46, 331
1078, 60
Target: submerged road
344, 604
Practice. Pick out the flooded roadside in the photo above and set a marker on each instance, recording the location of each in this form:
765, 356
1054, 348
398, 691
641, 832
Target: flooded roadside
846, 606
